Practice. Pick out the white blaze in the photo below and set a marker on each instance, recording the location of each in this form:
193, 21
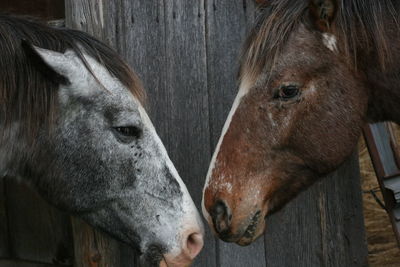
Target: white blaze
243, 90
191, 216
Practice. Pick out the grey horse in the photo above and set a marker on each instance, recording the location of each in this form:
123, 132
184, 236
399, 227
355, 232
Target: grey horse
72, 124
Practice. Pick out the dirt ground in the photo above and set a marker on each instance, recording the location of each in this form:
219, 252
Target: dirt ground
382, 246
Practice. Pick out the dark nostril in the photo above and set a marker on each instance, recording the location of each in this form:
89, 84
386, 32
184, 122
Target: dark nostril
221, 216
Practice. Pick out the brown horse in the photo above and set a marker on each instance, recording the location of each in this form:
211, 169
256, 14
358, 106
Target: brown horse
312, 74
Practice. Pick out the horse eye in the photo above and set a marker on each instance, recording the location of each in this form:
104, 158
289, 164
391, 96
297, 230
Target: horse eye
288, 92
129, 131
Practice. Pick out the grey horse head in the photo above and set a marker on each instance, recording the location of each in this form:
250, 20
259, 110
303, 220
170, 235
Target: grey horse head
104, 162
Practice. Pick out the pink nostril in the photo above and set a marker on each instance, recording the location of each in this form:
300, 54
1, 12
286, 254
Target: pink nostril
191, 247
194, 244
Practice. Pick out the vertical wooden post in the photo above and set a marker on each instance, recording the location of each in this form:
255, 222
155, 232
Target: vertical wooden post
385, 157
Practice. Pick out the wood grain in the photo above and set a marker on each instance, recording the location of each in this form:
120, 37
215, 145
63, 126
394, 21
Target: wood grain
95, 249
323, 226
186, 86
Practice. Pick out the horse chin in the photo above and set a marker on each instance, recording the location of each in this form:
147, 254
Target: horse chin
253, 231
156, 256
152, 256
248, 231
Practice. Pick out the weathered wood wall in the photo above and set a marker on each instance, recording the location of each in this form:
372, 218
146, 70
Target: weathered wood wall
186, 54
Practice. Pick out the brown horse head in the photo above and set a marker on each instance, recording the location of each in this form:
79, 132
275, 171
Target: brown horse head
298, 115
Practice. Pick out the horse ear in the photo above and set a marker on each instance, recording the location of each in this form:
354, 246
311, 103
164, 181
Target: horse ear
322, 13
53, 65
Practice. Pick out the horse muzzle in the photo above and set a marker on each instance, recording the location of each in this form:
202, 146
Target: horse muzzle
191, 245
235, 229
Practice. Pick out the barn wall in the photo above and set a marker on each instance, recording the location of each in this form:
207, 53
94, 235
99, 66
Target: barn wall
186, 54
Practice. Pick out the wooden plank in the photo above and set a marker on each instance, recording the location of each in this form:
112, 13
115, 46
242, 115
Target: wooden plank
143, 47
228, 23
382, 145
4, 249
292, 235
186, 130
323, 226
341, 217
93, 248
37, 231
98, 18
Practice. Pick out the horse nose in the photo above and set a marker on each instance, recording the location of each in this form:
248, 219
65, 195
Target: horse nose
221, 216
191, 247
194, 244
